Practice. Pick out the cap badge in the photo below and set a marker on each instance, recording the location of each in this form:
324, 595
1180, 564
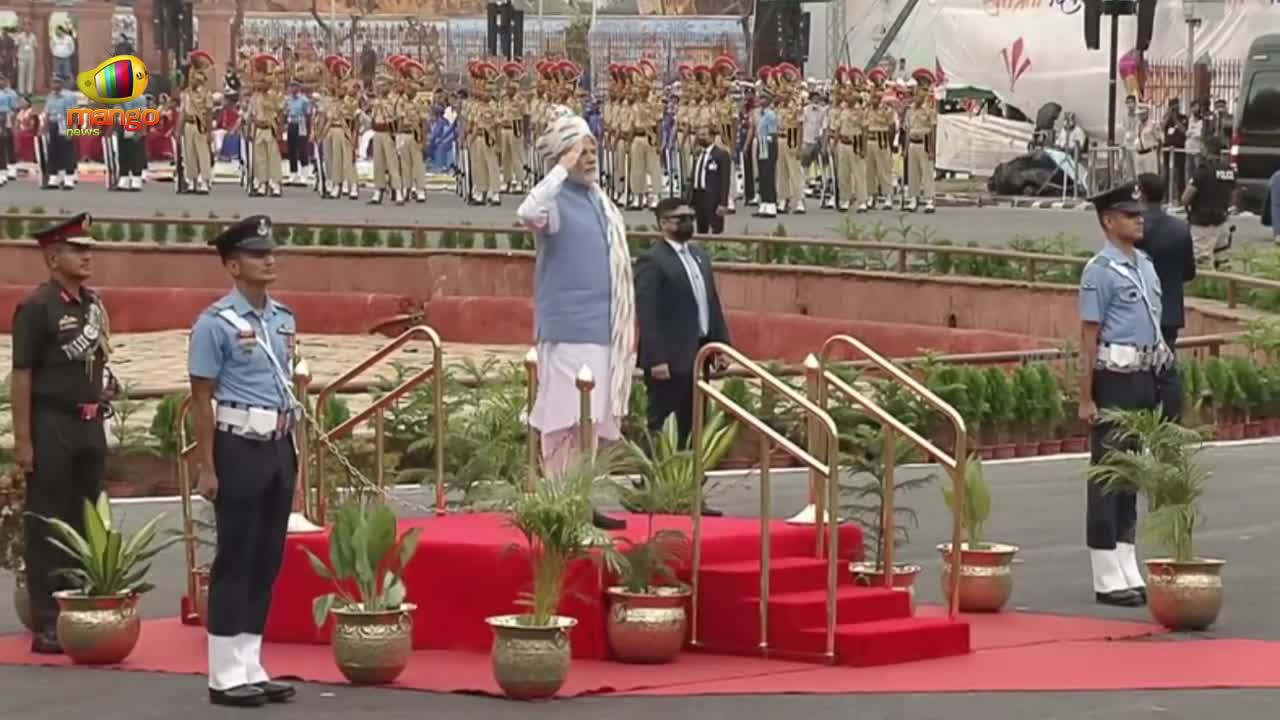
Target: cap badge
88, 221
1137, 193
264, 227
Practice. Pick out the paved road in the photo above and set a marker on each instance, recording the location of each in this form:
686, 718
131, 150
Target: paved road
1037, 506
986, 226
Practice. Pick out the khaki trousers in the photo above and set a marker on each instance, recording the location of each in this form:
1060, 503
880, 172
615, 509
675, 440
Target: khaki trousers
790, 176
386, 163
195, 154
879, 168
618, 158
1208, 241
512, 156
413, 174
266, 157
851, 175
919, 172
686, 159
646, 171
339, 164
484, 166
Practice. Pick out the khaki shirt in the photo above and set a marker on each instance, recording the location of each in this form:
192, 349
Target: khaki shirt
921, 121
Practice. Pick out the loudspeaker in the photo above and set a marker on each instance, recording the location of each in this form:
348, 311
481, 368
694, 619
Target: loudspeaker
1093, 24
1146, 23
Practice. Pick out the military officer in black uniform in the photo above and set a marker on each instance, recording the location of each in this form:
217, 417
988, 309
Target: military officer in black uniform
61, 344
1122, 352
245, 412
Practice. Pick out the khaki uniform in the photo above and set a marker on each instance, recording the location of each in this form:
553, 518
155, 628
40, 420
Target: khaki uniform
197, 104
409, 136
483, 117
383, 112
513, 110
922, 122
728, 127
646, 170
341, 116
265, 109
685, 129
619, 143
790, 173
851, 155
880, 128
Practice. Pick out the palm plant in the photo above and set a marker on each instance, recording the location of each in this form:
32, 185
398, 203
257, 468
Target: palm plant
1000, 403
105, 562
666, 468
862, 471
977, 503
1157, 458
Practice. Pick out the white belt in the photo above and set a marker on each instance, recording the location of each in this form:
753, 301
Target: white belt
255, 422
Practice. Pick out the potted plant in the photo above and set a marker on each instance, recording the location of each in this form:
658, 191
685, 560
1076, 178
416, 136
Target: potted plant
1226, 397
1254, 394
986, 569
1050, 411
862, 492
978, 413
98, 618
647, 615
135, 466
1027, 410
531, 650
1157, 458
373, 625
1000, 404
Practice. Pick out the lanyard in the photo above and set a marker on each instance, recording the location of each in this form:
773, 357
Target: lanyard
240, 324
1142, 289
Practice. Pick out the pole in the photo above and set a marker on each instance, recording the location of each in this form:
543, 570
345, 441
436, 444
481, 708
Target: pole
1191, 61
1113, 69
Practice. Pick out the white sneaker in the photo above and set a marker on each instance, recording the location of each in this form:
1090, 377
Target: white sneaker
807, 516
298, 523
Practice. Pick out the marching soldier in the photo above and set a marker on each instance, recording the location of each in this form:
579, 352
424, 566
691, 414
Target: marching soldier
197, 107
240, 359
790, 172
1120, 309
386, 163
60, 390
881, 126
60, 161
409, 132
513, 109
922, 126
266, 106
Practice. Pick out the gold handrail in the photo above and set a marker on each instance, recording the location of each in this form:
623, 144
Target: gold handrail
184, 489
435, 371
955, 465
822, 421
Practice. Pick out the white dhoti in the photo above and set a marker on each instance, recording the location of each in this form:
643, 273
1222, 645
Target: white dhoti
557, 409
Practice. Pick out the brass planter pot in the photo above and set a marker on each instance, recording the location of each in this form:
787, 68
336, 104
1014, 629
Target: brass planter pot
904, 578
202, 595
372, 648
97, 630
647, 627
986, 576
22, 601
530, 662
1185, 595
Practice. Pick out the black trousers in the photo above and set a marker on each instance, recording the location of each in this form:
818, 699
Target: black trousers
8, 155
1169, 382
70, 460
251, 510
133, 155
748, 173
674, 395
704, 210
766, 171
63, 153
296, 146
1113, 517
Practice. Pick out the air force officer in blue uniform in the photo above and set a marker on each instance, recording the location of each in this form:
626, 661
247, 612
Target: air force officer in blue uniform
241, 350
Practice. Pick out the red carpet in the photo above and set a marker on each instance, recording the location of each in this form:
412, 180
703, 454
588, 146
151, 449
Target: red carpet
1048, 659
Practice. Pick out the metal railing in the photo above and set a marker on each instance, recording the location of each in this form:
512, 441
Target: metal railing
824, 380
377, 409
703, 390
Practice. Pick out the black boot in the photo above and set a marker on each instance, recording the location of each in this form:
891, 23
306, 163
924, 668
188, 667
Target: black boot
604, 522
46, 642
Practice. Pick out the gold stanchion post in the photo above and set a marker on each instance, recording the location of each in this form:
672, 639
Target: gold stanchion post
586, 382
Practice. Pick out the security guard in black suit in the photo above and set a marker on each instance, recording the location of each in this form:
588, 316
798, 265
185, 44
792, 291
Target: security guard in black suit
245, 412
60, 390
1122, 353
1167, 240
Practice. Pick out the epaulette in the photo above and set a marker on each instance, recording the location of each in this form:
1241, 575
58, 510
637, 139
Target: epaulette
1099, 258
282, 307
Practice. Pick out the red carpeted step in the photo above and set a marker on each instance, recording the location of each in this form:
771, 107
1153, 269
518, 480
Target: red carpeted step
786, 574
884, 642
795, 611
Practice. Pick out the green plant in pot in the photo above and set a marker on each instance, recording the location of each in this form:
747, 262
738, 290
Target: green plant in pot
1000, 412
1051, 413
531, 653
862, 500
98, 620
1158, 459
986, 568
373, 625
12, 500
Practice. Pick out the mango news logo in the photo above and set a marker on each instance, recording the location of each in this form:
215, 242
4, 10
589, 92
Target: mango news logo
114, 82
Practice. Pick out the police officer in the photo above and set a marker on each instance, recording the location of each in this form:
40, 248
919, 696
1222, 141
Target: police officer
244, 412
1122, 352
1208, 197
60, 387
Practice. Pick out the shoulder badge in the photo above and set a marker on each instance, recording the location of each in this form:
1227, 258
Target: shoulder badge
282, 307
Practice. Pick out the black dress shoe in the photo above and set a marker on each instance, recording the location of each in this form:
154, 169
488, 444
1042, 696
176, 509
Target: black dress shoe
708, 511
276, 692
604, 522
46, 643
1119, 598
238, 696
1142, 593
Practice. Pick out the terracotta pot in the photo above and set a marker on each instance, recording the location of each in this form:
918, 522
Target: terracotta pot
530, 662
135, 475
373, 648
647, 627
97, 630
986, 576
1075, 444
1185, 595
1235, 431
1004, 452
1050, 447
904, 577
1253, 429
1026, 449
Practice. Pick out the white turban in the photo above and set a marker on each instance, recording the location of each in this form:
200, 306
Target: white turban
563, 132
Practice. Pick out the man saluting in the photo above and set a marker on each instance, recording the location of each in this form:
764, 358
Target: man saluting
245, 411
61, 343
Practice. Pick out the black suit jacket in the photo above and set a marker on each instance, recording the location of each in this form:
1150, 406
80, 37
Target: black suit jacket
1167, 240
718, 179
668, 311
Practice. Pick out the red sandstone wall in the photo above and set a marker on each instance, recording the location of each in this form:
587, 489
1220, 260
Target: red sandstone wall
1012, 307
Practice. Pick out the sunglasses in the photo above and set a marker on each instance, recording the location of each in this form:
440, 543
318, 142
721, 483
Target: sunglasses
681, 216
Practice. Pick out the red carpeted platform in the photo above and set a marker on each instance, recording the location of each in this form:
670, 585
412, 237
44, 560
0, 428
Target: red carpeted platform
1055, 653
471, 566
